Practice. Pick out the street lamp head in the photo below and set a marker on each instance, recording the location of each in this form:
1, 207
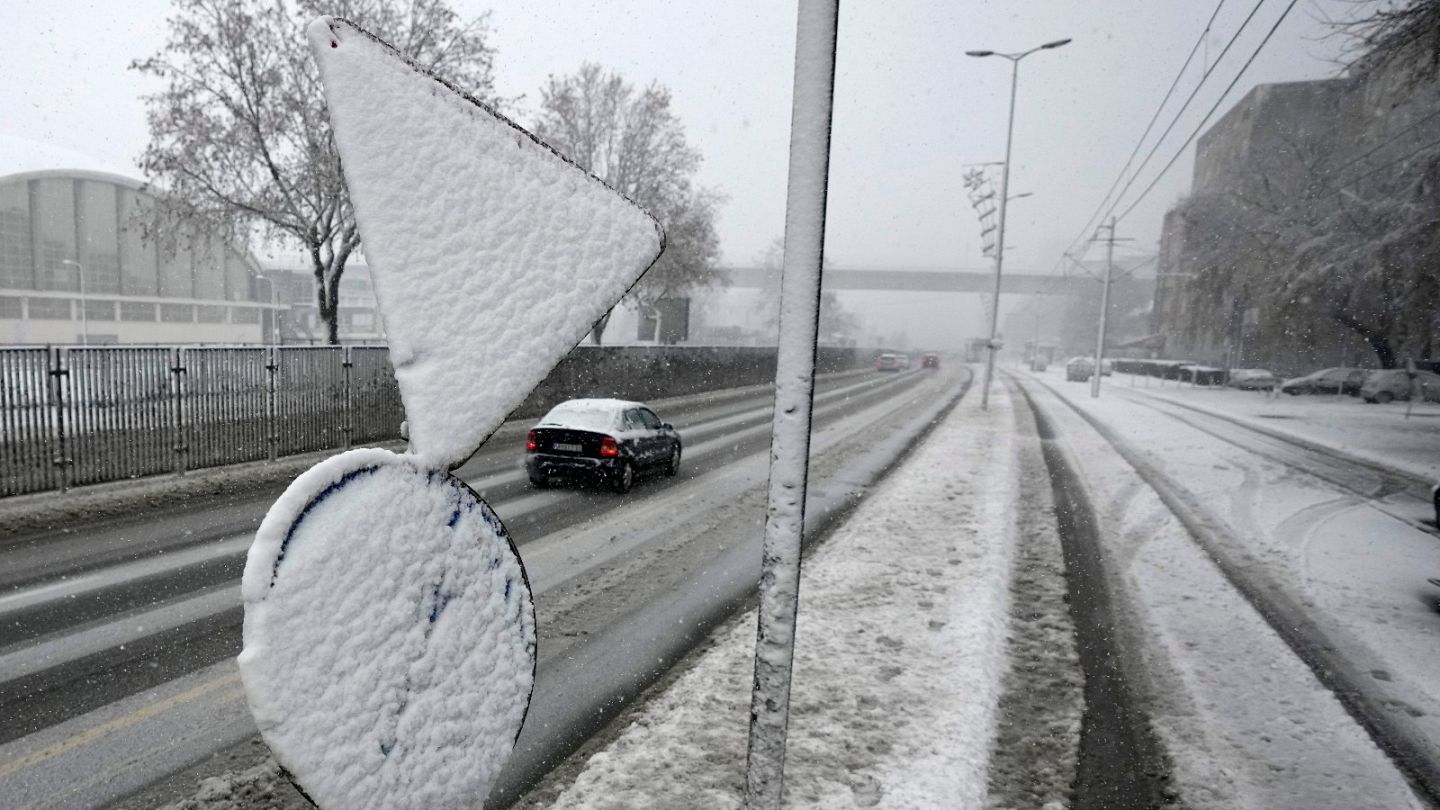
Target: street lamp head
1057, 43
979, 53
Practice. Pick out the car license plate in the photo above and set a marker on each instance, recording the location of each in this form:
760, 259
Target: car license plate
567, 448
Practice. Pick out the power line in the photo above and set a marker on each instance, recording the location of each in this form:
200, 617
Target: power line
1211, 112
1155, 117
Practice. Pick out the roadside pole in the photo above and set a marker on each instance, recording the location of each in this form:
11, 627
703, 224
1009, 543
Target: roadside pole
1415, 391
810, 119
1104, 310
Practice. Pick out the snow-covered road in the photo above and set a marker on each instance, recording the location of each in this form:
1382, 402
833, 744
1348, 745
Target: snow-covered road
1288, 662
163, 706
1252, 601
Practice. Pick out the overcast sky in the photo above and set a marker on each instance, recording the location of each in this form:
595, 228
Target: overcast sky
911, 108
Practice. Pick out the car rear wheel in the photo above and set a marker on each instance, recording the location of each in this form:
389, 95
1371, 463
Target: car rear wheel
673, 465
1384, 397
624, 478
540, 481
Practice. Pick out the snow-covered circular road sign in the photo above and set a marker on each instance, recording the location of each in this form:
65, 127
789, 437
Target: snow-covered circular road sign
389, 635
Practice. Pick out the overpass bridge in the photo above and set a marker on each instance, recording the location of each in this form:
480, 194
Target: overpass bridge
943, 280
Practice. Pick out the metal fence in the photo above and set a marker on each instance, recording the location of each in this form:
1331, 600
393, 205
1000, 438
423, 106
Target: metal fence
87, 414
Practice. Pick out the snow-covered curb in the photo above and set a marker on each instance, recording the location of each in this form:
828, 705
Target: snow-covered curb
899, 659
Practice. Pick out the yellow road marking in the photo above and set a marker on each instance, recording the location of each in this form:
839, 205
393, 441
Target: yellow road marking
112, 726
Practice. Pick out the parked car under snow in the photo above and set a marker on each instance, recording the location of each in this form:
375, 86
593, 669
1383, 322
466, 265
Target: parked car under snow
1252, 379
1339, 380
1392, 384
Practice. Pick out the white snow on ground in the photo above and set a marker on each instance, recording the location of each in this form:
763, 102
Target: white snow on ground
389, 635
1246, 722
492, 256
1378, 433
899, 654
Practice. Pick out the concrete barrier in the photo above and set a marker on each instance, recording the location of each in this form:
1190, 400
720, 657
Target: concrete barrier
655, 372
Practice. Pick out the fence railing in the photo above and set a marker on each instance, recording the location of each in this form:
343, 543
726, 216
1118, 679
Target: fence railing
78, 415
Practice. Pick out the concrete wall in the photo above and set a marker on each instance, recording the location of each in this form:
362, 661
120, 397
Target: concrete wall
655, 372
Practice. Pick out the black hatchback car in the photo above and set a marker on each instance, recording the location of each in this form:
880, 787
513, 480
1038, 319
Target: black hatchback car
607, 440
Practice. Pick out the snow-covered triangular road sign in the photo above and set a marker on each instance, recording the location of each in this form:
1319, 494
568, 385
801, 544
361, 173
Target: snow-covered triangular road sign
492, 255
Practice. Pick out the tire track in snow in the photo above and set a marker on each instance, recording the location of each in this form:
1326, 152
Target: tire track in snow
1121, 763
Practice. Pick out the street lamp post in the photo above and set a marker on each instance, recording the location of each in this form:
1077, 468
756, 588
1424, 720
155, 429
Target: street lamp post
1004, 198
84, 316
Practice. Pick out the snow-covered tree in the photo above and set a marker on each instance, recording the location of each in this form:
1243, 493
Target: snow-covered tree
631, 138
239, 135
1357, 247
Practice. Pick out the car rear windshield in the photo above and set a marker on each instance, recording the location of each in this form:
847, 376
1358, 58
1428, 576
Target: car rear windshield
582, 416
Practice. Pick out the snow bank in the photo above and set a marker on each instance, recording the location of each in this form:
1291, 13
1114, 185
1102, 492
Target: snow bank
492, 255
898, 659
389, 635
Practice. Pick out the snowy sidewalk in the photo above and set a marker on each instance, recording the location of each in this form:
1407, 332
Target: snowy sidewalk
899, 660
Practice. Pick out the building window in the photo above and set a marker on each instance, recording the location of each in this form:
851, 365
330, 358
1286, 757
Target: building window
100, 310
50, 309
54, 208
244, 315
137, 254
209, 254
99, 237
210, 314
11, 307
15, 268
177, 313
362, 321
135, 311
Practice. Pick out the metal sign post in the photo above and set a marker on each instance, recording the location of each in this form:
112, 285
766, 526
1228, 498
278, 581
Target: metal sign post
794, 399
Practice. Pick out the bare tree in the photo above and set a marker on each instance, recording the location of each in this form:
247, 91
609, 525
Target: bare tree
1390, 34
240, 139
631, 139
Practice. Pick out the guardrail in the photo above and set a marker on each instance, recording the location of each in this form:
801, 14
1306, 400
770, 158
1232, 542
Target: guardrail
78, 415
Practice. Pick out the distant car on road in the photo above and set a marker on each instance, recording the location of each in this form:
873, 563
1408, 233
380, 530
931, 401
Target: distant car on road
1336, 380
1252, 379
1392, 384
606, 440
1038, 363
890, 362
1079, 369
1107, 367
931, 360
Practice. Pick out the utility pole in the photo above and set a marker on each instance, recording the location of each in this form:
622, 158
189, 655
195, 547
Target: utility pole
1104, 304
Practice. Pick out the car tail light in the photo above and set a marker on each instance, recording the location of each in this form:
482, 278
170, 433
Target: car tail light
608, 447
530, 444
